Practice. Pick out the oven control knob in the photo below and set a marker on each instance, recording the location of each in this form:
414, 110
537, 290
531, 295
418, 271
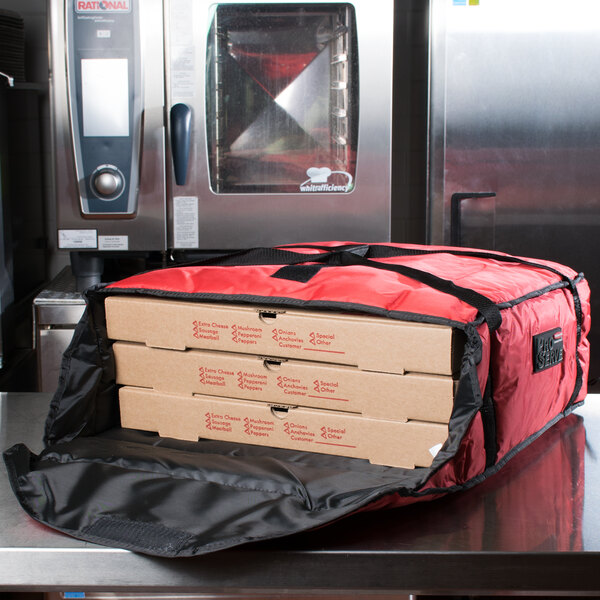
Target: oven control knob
108, 183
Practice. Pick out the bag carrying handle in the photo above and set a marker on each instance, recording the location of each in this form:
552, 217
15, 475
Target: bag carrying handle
356, 256
353, 254
294, 268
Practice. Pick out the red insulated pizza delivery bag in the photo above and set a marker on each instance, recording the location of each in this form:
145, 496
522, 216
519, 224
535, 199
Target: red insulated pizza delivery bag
210, 401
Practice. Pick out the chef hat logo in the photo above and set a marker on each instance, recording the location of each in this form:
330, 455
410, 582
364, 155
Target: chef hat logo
319, 181
318, 175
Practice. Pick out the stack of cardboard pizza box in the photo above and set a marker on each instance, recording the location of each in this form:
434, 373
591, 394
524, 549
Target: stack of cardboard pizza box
336, 383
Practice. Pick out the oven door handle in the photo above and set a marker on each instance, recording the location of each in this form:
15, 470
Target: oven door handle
181, 134
455, 212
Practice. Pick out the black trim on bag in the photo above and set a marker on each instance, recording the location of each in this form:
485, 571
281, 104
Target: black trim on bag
324, 304
579, 315
286, 302
496, 467
488, 421
17, 460
559, 285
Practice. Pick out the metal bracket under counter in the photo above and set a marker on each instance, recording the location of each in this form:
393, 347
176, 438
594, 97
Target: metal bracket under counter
56, 311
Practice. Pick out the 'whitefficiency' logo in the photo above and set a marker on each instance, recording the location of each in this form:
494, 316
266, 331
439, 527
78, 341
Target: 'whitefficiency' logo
319, 181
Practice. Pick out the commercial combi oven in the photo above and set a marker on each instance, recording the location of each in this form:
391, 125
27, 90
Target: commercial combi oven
185, 124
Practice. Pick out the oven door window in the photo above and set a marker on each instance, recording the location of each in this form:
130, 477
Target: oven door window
282, 98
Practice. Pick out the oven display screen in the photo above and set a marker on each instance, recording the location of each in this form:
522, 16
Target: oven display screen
105, 97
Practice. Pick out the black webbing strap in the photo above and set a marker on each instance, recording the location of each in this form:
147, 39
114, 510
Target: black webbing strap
351, 254
282, 256
355, 256
252, 256
331, 256
488, 421
384, 251
579, 376
484, 305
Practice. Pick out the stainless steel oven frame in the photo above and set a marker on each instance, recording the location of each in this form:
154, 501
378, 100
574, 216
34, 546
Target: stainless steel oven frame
192, 212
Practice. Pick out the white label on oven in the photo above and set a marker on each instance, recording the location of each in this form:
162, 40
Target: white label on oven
185, 222
113, 242
183, 84
182, 58
77, 238
182, 22
183, 64
103, 33
183, 71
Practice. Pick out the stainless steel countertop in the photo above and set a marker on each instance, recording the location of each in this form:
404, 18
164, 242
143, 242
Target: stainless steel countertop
530, 528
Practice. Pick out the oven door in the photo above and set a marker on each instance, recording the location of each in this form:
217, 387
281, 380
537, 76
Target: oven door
279, 122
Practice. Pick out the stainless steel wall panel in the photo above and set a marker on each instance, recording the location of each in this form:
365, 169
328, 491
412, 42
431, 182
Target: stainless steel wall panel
514, 110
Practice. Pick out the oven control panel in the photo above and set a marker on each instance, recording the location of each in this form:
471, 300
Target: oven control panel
105, 104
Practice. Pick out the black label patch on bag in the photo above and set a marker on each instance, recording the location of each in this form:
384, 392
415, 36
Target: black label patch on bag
547, 349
